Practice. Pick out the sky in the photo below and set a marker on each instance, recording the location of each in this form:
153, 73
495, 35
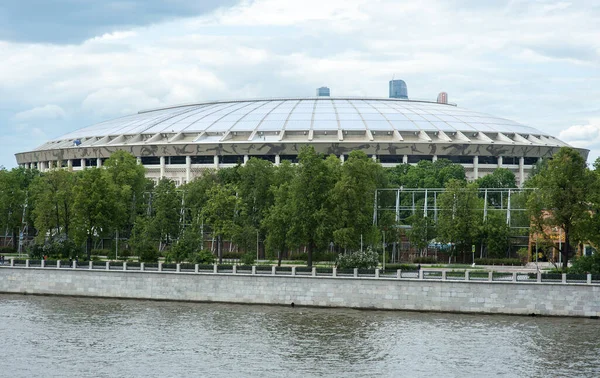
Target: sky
67, 64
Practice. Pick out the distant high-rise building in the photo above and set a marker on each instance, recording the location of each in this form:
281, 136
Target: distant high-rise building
398, 89
442, 98
323, 91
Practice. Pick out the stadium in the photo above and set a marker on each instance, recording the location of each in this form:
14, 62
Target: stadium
179, 142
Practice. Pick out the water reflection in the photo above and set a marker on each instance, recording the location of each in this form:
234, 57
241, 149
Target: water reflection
78, 337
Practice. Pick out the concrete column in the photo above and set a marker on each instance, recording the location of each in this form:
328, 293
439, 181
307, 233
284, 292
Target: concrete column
216, 161
124, 265
376, 273
138, 160
160, 266
27, 263
342, 158
178, 268
253, 270
420, 274
399, 273
490, 276
434, 158
70, 164
514, 277
475, 167
467, 275
82, 163
162, 166
273, 270
355, 272
74, 265
50, 164
293, 271
589, 279
41, 166
277, 159
443, 275
99, 163
314, 271
196, 268
43, 263
499, 161
539, 276
90, 265
215, 269
564, 278
521, 171
235, 269
374, 157
405, 159
108, 265
142, 267
57, 263
334, 273
188, 168
246, 158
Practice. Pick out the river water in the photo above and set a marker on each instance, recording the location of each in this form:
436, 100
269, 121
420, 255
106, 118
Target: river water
80, 337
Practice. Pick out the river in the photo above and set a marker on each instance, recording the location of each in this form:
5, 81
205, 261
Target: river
84, 337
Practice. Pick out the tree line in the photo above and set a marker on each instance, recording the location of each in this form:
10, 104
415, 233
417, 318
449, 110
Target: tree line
316, 205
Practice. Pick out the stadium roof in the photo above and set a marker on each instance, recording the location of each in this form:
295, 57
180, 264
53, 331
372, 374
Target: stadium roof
302, 119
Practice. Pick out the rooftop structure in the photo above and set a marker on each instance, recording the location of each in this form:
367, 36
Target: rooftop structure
179, 142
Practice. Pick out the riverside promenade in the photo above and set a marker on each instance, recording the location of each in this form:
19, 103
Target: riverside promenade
491, 292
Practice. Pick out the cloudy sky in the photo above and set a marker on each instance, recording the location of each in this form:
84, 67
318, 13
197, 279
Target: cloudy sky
66, 64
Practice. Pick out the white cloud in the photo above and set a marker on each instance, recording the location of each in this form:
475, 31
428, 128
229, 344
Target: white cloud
536, 64
582, 135
46, 112
118, 101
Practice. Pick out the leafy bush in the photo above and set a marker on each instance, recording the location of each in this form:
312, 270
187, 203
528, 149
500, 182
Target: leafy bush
498, 261
232, 255
247, 259
203, 257
586, 264
147, 253
36, 252
400, 266
7, 250
100, 252
367, 259
425, 260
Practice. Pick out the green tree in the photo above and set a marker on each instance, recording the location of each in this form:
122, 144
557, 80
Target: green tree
219, 213
129, 177
308, 194
52, 193
459, 215
255, 179
352, 200
141, 242
562, 198
422, 231
166, 211
14, 185
501, 178
94, 207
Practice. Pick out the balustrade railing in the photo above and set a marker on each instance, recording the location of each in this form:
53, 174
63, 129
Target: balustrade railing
423, 274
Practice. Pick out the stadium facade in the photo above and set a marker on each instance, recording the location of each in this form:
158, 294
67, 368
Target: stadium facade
180, 142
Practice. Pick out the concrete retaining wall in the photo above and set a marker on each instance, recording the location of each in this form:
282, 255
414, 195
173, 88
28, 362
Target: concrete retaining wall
554, 299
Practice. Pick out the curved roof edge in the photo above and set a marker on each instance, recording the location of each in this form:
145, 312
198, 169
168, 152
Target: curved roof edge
324, 98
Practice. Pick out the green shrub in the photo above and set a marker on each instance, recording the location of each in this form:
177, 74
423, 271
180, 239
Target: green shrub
7, 250
247, 259
487, 261
147, 253
367, 259
232, 255
425, 260
586, 264
203, 257
101, 252
400, 266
